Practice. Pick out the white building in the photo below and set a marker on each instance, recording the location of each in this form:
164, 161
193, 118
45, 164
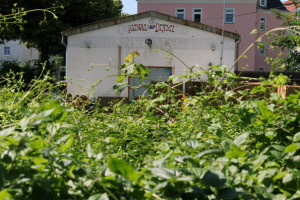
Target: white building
97, 50
15, 50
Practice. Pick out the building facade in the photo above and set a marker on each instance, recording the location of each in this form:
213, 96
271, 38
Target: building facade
15, 50
239, 16
97, 50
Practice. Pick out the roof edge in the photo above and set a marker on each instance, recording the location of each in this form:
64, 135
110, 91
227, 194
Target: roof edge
121, 20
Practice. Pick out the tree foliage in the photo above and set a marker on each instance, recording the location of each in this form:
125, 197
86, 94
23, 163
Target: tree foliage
289, 41
42, 31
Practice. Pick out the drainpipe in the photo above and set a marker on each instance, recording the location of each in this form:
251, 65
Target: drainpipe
119, 61
63, 43
222, 43
237, 53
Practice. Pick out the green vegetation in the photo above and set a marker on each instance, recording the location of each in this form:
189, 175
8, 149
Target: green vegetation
224, 144
288, 41
43, 31
220, 144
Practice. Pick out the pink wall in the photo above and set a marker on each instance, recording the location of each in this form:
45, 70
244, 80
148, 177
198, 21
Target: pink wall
246, 20
271, 23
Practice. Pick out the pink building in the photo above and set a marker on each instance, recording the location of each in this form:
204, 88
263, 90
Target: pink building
240, 16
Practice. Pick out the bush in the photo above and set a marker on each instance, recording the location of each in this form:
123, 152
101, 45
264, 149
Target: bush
215, 148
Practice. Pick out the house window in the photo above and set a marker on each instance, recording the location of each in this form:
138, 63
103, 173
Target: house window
262, 24
229, 15
197, 15
261, 69
6, 51
262, 49
263, 3
180, 13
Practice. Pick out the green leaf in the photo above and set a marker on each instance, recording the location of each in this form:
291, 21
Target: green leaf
213, 180
292, 148
163, 172
5, 195
279, 176
287, 178
7, 131
192, 144
265, 112
120, 86
38, 144
297, 137
122, 168
99, 197
229, 94
263, 192
253, 32
276, 154
90, 151
259, 161
210, 151
257, 89
39, 160
241, 139
235, 152
229, 193
67, 145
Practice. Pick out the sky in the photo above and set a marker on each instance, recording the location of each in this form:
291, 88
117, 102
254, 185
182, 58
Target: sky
130, 6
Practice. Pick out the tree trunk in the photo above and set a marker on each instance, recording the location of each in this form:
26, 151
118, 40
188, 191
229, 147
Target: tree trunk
45, 55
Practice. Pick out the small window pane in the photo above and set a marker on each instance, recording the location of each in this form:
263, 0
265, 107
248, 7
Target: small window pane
263, 3
6, 51
229, 16
262, 50
262, 23
198, 15
261, 69
180, 13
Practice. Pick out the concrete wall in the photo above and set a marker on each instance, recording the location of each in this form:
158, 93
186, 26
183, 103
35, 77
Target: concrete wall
93, 55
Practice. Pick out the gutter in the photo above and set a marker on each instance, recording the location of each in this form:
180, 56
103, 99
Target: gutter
63, 39
237, 53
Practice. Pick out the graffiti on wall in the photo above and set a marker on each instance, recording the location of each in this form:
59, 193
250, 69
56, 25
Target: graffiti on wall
154, 26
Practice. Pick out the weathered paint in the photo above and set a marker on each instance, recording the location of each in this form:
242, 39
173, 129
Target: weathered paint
119, 21
93, 55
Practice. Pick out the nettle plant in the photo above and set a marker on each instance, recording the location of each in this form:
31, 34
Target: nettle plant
222, 143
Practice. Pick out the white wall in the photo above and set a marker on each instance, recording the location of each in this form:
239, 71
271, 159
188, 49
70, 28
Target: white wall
18, 52
99, 48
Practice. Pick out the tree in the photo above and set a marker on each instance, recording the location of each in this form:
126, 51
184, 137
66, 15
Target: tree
289, 40
43, 32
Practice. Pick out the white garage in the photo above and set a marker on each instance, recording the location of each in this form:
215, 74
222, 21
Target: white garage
97, 50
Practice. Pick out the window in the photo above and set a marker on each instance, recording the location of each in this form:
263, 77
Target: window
261, 49
6, 51
262, 25
261, 69
263, 3
197, 15
229, 15
180, 13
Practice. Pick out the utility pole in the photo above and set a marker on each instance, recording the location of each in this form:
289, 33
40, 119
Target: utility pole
223, 26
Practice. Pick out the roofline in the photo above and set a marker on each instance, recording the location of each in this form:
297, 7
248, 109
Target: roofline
116, 21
